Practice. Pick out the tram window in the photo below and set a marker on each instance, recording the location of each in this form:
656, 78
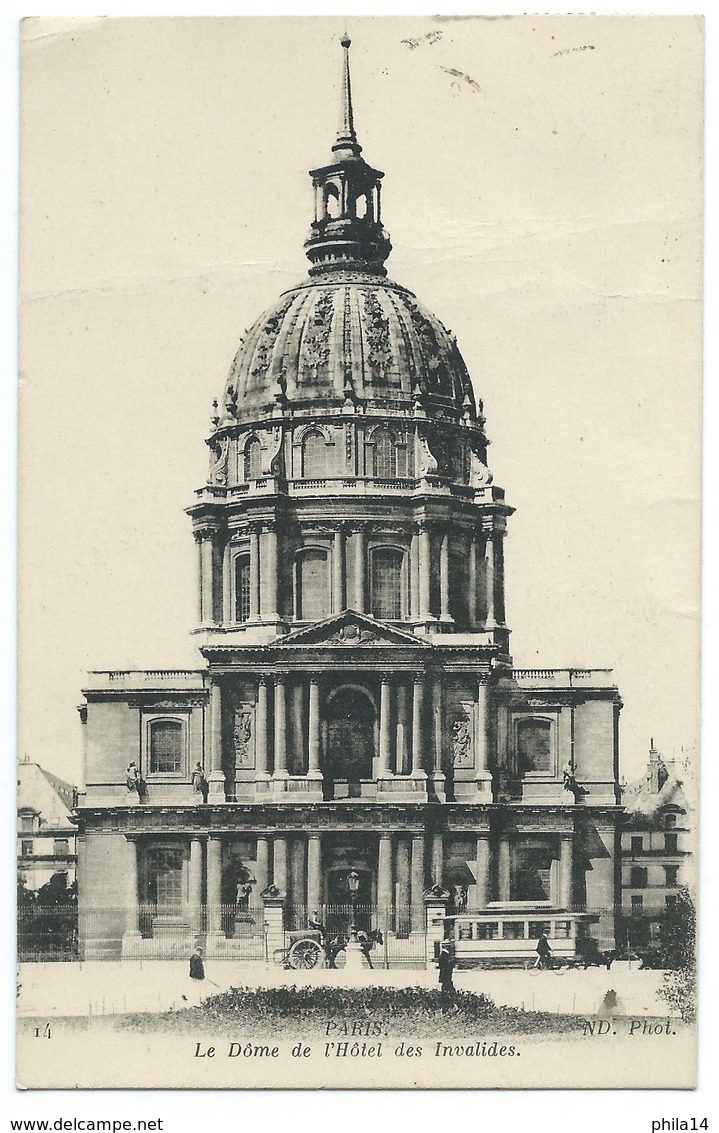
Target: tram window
488, 930
536, 928
562, 930
513, 930
464, 930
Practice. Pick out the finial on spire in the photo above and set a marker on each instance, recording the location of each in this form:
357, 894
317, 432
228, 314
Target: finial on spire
346, 145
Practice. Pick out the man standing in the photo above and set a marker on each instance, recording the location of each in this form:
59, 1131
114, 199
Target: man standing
445, 964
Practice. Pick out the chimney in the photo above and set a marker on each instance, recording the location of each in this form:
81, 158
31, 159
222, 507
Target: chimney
654, 765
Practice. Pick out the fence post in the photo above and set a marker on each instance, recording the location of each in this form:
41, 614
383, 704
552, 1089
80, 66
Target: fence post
273, 900
435, 910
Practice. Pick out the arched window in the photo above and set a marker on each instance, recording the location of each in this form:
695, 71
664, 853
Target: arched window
386, 583
312, 586
314, 455
534, 750
165, 747
361, 206
638, 877
242, 588
670, 821
332, 201
253, 459
385, 454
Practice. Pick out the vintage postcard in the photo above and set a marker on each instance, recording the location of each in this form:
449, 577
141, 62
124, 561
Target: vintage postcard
356, 750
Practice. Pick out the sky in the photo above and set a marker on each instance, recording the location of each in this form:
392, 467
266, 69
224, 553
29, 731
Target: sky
543, 196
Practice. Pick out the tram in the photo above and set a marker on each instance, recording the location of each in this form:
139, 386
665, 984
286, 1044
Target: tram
507, 934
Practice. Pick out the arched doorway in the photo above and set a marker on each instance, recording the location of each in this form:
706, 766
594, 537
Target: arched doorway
350, 745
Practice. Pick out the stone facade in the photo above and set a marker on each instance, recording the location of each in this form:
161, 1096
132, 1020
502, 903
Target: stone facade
358, 709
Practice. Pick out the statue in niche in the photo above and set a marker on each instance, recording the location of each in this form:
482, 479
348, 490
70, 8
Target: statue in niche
242, 738
462, 742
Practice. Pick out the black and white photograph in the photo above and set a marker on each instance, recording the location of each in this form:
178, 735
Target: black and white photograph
359, 552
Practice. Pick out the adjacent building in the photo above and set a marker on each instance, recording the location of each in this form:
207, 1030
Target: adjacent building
656, 847
46, 833
356, 710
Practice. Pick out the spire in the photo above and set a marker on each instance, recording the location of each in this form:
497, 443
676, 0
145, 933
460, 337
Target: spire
347, 229
346, 145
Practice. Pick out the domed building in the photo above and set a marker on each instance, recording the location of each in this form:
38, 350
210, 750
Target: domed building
358, 735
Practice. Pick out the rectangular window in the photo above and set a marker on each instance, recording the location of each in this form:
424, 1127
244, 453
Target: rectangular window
387, 583
513, 930
637, 902
61, 847
534, 748
313, 597
671, 872
464, 930
488, 930
164, 877
27, 849
27, 824
536, 928
563, 930
166, 747
637, 844
670, 844
670, 900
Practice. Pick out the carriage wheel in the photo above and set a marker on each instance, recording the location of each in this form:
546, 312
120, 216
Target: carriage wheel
304, 954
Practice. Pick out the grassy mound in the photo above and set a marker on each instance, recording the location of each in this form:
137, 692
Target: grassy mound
308, 1011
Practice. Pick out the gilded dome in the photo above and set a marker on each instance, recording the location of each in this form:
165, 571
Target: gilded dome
346, 333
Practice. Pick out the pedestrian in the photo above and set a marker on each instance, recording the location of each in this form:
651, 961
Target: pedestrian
445, 965
197, 973
544, 952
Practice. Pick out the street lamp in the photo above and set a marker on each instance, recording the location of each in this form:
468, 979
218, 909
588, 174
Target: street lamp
353, 883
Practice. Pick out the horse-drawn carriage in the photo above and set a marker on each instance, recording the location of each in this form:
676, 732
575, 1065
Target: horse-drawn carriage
304, 949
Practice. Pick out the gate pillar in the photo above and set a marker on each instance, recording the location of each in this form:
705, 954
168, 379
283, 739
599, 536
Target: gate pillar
273, 900
436, 901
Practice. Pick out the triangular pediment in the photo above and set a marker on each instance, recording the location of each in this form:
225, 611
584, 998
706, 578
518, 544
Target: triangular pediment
351, 629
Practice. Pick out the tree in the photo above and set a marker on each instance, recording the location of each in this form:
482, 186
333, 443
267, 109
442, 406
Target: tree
678, 949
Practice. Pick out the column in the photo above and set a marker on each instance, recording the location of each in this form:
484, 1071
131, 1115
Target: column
384, 728
216, 778
313, 769
195, 884
489, 577
214, 883
198, 541
298, 726
358, 538
401, 760
227, 610
504, 868
425, 561
499, 574
268, 582
208, 579
417, 709
261, 730
384, 880
482, 871
314, 872
279, 862
262, 865
437, 859
298, 880
403, 884
472, 582
417, 882
566, 870
132, 892
444, 575
254, 572
438, 721
482, 773
414, 574
338, 571
280, 770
